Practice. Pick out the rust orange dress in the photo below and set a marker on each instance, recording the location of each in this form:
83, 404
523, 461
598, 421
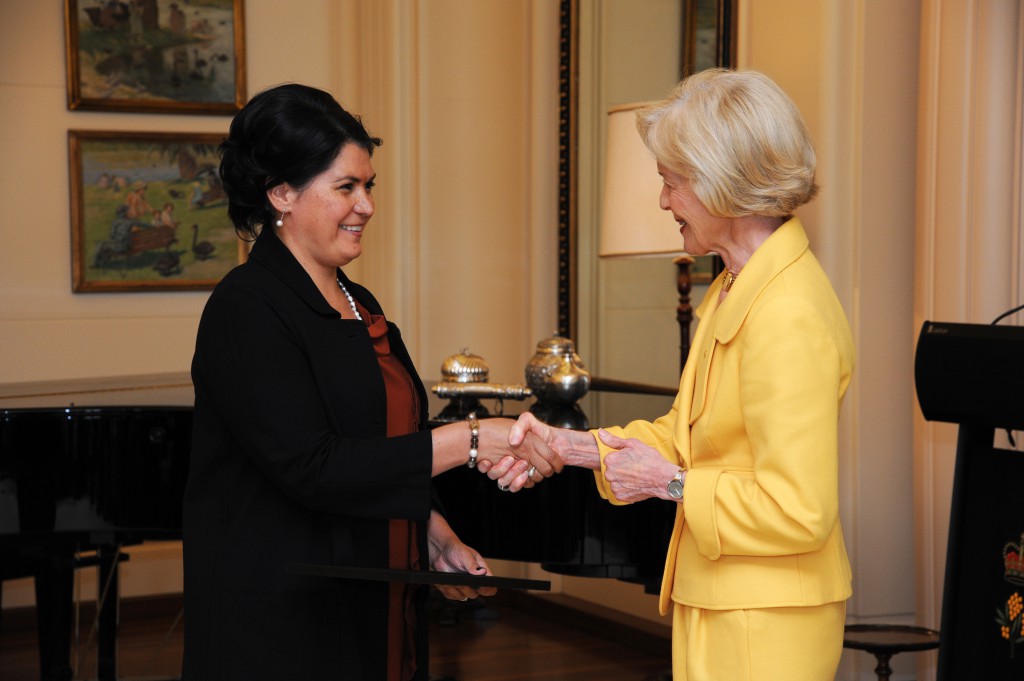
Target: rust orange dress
403, 418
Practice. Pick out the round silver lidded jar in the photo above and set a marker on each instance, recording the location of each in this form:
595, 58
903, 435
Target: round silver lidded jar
556, 374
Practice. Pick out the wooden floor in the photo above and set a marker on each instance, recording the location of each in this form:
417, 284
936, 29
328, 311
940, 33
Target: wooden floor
504, 640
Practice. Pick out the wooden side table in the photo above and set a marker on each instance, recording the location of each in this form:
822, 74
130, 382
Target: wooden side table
885, 640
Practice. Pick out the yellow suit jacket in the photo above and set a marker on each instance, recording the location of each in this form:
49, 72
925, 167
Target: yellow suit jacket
755, 424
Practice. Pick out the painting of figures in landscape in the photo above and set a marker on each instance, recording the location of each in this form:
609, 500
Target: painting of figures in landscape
170, 56
148, 212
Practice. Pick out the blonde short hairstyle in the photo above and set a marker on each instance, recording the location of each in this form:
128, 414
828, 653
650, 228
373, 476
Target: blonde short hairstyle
739, 140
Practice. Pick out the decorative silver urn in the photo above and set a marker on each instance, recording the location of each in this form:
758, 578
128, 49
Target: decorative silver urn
464, 382
465, 367
556, 374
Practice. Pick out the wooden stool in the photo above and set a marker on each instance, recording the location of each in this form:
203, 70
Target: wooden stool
885, 640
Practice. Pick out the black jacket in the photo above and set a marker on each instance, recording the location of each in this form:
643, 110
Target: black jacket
290, 463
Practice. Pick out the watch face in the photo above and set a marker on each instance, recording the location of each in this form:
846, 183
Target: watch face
675, 489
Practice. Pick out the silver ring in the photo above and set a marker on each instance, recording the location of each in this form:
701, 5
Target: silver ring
502, 487
529, 473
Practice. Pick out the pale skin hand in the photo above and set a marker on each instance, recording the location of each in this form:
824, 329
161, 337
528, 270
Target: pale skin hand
449, 554
636, 471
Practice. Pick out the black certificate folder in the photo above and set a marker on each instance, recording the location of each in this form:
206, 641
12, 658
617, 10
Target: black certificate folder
417, 577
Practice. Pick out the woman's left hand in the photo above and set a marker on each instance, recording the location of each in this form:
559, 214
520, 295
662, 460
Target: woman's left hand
449, 554
635, 471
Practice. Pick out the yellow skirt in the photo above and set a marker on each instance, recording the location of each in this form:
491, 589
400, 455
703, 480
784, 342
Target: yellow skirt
784, 644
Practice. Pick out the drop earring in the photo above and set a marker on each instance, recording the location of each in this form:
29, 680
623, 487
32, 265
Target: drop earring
280, 220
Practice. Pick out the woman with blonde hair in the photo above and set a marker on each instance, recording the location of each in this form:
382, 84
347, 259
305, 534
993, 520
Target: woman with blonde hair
757, 574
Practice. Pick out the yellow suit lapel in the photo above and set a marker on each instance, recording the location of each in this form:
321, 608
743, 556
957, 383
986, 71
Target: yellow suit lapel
681, 437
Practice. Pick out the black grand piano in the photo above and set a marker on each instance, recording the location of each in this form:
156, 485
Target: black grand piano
87, 467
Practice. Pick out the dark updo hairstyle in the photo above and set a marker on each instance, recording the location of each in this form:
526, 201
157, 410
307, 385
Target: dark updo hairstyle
289, 133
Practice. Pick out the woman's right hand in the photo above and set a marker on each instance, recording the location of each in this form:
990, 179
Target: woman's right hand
577, 448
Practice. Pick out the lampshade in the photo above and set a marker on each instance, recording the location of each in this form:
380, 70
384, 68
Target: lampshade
633, 224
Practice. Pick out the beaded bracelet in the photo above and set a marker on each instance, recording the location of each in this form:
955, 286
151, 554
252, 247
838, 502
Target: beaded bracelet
474, 439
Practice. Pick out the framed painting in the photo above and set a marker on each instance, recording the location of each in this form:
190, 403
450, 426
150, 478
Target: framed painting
148, 212
155, 56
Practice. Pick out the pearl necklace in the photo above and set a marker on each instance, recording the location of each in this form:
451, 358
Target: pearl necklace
351, 302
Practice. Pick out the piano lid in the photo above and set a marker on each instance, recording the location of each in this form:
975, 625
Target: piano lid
165, 390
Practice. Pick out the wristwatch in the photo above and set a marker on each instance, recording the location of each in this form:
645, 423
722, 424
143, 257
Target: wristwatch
675, 485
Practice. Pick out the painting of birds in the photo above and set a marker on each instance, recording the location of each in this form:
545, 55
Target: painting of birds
113, 15
168, 264
201, 249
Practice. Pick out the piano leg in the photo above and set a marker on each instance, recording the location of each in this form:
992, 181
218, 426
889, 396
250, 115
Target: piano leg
54, 585
107, 616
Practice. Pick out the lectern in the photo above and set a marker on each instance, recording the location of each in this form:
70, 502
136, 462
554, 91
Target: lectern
973, 375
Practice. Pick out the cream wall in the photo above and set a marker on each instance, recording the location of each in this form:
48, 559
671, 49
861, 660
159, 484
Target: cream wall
461, 251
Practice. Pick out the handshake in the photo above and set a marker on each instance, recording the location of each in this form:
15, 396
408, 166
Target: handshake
513, 454
520, 454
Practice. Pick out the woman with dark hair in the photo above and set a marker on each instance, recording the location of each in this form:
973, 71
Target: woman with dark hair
308, 442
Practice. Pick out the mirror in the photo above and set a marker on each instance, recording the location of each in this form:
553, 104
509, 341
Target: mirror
614, 52
709, 34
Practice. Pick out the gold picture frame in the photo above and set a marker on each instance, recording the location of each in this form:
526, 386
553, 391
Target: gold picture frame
155, 56
148, 212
